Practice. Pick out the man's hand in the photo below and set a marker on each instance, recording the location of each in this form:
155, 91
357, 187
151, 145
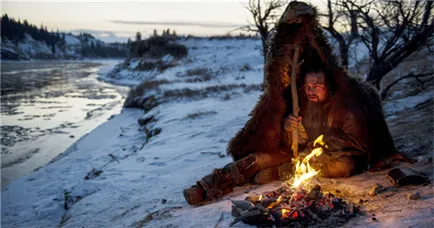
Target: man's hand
291, 123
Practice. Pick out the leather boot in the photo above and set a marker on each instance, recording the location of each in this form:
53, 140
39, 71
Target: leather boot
194, 195
222, 181
281, 172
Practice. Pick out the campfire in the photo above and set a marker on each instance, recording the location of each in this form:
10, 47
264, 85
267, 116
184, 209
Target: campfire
298, 204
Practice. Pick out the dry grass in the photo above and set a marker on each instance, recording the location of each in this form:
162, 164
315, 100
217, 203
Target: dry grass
210, 91
198, 71
134, 97
201, 74
200, 114
197, 74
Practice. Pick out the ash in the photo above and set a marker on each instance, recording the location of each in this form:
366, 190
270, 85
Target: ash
286, 207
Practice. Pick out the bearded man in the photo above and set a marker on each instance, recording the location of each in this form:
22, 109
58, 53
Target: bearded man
342, 126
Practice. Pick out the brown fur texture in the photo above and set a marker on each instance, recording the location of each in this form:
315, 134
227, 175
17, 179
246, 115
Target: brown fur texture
263, 132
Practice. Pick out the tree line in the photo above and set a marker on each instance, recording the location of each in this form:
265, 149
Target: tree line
15, 30
157, 45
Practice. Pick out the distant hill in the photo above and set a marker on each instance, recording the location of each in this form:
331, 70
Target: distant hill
24, 41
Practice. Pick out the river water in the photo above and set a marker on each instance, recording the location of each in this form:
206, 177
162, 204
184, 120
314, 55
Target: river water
48, 105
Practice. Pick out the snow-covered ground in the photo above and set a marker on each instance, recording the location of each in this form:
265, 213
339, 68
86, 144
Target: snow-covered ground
142, 183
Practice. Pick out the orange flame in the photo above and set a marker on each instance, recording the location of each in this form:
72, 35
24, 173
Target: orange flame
273, 204
303, 170
284, 215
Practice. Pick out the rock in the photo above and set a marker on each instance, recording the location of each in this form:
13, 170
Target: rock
163, 201
375, 190
236, 212
413, 196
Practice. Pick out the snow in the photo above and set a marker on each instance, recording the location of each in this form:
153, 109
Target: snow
72, 40
400, 105
128, 190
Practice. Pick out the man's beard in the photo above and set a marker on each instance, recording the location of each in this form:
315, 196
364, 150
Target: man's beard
315, 116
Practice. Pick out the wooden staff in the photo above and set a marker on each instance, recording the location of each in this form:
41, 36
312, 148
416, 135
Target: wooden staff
295, 106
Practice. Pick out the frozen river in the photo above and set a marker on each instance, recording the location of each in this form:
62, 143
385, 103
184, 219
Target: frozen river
48, 105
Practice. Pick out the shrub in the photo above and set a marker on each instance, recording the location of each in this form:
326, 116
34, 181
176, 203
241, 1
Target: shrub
157, 47
135, 95
198, 71
197, 74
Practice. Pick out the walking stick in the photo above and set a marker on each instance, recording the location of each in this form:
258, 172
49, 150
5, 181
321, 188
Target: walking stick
295, 106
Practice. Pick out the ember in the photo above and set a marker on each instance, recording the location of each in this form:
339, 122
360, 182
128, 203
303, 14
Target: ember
289, 207
293, 205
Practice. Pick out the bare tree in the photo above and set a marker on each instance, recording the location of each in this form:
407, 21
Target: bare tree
392, 31
265, 13
340, 15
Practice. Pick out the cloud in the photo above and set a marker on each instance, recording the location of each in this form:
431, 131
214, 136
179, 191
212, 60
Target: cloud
180, 23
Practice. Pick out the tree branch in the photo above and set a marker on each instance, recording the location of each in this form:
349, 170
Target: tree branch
410, 75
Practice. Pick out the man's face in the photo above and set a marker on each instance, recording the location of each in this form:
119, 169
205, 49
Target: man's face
314, 87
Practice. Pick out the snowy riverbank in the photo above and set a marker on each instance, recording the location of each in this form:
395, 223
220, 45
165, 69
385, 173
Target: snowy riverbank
46, 106
205, 100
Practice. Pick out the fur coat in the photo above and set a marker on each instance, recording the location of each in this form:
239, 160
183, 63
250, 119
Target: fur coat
264, 132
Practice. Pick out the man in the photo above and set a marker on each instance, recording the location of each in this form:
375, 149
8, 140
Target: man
341, 124
343, 136
346, 111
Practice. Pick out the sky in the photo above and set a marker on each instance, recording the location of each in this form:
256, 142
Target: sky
111, 20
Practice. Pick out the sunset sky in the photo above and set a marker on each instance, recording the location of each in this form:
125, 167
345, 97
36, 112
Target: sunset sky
116, 20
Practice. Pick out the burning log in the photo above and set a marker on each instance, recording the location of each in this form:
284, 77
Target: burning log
294, 207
